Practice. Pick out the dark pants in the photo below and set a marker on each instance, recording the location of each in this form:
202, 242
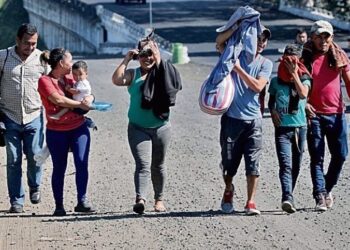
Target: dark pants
240, 138
290, 144
333, 127
59, 143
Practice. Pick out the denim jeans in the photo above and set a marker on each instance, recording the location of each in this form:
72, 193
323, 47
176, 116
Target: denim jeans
333, 127
59, 143
30, 137
148, 147
240, 138
290, 144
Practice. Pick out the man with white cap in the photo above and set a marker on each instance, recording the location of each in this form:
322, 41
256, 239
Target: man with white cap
325, 109
241, 125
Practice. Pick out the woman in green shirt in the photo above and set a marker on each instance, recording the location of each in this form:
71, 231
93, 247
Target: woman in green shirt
148, 134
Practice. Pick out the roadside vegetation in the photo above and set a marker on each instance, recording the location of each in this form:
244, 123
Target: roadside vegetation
12, 15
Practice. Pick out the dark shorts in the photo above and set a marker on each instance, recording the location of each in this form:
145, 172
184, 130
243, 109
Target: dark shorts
240, 138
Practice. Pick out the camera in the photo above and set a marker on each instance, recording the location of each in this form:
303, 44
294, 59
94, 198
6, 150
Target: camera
135, 56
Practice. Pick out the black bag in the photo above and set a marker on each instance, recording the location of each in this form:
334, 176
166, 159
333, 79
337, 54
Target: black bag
2, 130
2, 115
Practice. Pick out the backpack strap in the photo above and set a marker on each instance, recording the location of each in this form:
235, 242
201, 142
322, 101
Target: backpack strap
3, 66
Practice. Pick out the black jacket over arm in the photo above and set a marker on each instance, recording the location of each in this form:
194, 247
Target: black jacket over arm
160, 88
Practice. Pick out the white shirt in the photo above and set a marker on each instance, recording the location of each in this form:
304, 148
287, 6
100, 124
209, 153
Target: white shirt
84, 88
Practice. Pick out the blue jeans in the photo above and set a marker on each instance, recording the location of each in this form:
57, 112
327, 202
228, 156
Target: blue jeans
59, 143
240, 138
333, 127
290, 144
148, 147
30, 137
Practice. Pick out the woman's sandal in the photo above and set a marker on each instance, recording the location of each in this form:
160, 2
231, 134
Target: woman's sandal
159, 206
139, 206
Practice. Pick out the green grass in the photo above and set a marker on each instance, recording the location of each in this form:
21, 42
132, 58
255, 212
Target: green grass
12, 15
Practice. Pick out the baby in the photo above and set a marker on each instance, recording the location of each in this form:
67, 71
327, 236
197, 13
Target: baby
80, 89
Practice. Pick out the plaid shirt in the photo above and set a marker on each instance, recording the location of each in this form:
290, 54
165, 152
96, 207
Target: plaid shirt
20, 100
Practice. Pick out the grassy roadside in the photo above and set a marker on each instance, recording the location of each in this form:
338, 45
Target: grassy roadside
12, 15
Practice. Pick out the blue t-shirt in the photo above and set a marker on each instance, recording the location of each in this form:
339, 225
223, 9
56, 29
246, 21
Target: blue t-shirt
245, 104
281, 92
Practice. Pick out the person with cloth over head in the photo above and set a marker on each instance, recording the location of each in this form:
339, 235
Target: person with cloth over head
241, 42
288, 96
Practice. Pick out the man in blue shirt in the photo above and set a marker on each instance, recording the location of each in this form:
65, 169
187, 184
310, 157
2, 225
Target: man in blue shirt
241, 125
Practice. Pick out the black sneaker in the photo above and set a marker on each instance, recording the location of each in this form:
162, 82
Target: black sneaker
288, 206
320, 203
35, 196
16, 209
139, 207
84, 207
59, 211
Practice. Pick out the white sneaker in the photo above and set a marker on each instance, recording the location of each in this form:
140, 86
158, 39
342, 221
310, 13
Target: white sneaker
320, 203
329, 200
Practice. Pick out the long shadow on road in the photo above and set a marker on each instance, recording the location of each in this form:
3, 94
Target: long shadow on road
184, 214
126, 215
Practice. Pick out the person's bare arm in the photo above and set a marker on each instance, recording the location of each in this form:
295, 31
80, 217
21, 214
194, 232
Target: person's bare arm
65, 102
122, 76
256, 84
346, 79
224, 36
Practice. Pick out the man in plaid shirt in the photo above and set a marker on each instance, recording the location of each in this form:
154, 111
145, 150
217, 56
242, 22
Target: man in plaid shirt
21, 104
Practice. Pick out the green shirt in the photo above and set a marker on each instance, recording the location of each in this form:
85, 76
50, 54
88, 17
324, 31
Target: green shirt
137, 115
281, 92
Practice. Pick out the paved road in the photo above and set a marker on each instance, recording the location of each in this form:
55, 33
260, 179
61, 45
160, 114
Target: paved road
194, 186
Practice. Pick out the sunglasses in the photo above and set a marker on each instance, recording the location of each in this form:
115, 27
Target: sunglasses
145, 53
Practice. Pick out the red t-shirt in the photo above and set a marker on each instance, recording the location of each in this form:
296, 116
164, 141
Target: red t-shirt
70, 120
326, 95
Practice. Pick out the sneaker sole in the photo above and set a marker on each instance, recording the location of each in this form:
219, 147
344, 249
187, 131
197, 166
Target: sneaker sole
287, 207
35, 201
321, 209
84, 210
251, 212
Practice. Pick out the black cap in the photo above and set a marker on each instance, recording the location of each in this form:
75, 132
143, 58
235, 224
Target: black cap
293, 50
